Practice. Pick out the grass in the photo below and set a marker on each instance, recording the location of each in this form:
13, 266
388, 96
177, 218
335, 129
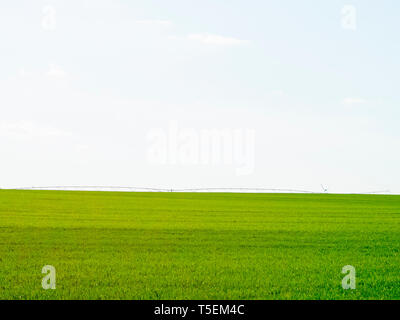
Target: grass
110, 245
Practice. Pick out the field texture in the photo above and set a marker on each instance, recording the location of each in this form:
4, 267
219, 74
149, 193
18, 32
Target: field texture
110, 245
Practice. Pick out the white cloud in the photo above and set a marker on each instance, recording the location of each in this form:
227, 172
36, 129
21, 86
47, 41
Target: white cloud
173, 37
56, 71
27, 129
213, 39
277, 93
23, 73
53, 70
155, 22
354, 101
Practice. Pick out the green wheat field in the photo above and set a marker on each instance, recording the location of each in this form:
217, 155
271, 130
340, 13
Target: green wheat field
115, 245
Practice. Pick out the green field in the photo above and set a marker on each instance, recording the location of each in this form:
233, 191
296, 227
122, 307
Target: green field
114, 245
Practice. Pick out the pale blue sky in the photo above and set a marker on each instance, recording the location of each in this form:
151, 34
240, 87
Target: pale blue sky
79, 94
